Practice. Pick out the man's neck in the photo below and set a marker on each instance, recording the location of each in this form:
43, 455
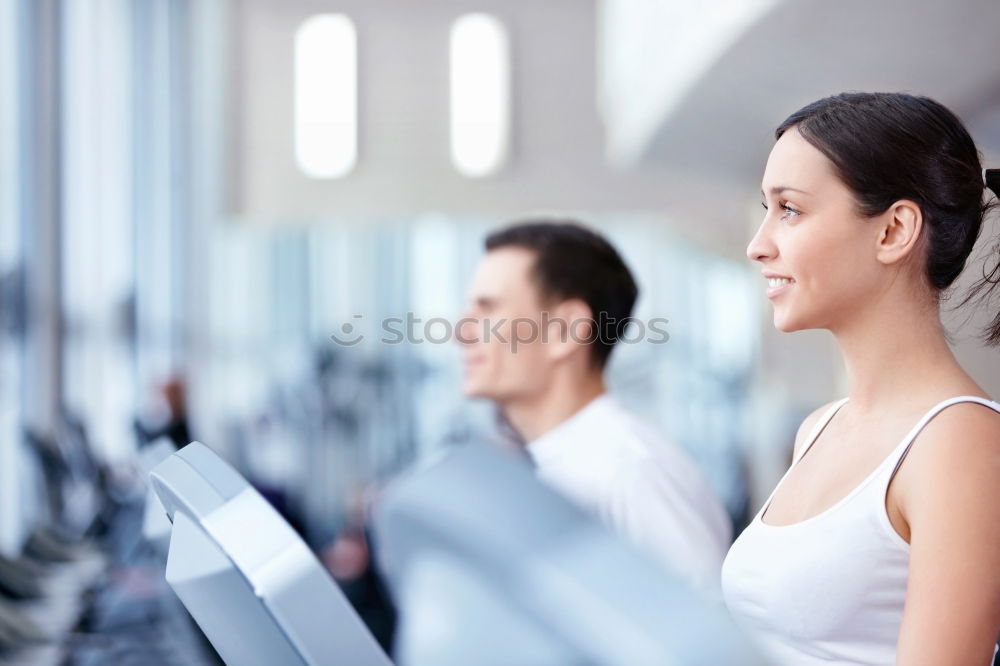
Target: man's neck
533, 417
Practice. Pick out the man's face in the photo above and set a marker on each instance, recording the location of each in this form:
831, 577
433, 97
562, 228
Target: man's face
504, 355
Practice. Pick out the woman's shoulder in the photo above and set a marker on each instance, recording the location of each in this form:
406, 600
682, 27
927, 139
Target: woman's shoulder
967, 427
951, 477
957, 425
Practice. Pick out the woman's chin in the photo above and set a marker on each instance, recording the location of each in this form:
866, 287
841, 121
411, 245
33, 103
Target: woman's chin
787, 324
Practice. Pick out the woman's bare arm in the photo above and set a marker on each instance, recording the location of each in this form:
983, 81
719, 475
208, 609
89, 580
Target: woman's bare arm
950, 497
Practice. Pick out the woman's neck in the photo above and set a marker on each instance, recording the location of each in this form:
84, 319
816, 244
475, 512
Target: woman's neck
896, 351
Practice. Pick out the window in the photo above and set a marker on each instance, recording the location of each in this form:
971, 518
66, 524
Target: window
10, 263
480, 95
326, 96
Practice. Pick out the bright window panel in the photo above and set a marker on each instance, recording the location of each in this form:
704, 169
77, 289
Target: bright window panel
480, 95
326, 96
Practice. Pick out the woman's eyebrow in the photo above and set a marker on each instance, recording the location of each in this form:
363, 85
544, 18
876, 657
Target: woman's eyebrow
784, 188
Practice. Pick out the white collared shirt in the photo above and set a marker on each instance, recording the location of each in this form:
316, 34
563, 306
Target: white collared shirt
639, 485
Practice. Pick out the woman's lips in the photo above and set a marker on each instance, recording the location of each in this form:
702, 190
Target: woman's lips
777, 285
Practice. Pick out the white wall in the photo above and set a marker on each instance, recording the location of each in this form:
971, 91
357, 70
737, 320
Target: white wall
558, 153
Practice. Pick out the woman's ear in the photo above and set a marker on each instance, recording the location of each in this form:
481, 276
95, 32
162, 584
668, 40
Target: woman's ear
902, 225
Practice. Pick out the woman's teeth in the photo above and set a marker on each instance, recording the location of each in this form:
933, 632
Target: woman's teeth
778, 282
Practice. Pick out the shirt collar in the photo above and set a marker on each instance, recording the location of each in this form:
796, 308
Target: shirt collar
571, 436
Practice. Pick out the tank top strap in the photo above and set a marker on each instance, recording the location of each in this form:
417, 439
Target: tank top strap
813, 435
904, 446
818, 428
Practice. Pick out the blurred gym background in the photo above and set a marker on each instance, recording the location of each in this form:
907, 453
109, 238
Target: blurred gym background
183, 229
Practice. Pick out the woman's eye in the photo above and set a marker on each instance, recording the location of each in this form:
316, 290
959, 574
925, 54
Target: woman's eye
789, 210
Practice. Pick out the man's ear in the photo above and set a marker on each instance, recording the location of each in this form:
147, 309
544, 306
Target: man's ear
570, 328
900, 232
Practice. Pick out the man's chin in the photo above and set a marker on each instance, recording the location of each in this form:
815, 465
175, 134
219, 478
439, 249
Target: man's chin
473, 391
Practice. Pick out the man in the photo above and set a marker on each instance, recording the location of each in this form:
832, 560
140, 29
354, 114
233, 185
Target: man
547, 304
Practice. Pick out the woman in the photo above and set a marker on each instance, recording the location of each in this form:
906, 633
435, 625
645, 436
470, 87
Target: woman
881, 544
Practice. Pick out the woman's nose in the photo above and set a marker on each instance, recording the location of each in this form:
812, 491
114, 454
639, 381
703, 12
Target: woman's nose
761, 247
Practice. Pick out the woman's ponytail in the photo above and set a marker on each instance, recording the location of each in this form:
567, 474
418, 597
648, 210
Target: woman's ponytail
991, 179
983, 288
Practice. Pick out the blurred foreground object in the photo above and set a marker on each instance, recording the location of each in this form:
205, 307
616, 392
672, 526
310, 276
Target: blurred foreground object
252, 585
489, 566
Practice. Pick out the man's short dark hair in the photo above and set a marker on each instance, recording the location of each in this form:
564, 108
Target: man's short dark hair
572, 261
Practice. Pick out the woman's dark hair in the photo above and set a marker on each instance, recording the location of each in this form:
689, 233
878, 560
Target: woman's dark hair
572, 261
891, 146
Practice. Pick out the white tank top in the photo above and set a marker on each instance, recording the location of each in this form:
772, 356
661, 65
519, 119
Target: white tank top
829, 589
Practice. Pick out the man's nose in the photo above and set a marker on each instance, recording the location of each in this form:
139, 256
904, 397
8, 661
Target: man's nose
466, 331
